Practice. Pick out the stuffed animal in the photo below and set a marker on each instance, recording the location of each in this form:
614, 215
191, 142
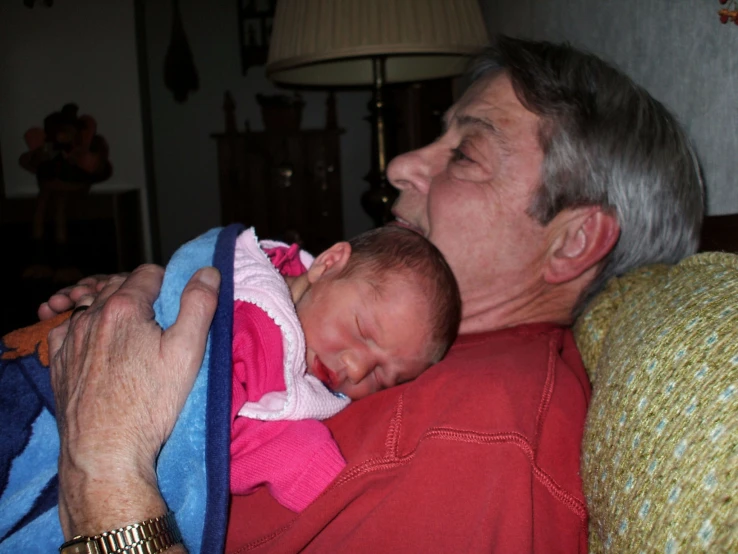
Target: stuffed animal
67, 157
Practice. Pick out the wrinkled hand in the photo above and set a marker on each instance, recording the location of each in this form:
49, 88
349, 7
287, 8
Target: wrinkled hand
82, 293
120, 383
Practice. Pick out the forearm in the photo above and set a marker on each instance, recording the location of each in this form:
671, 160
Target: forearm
89, 506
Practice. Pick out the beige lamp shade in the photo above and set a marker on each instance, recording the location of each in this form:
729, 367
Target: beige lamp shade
332, 42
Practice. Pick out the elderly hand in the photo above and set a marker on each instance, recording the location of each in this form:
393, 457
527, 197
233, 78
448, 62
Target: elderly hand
81, 293
120, 383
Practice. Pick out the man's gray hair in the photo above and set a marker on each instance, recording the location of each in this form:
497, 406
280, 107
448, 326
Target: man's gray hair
606, 142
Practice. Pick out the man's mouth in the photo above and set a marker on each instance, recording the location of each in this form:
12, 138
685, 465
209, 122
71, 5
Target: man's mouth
406, 224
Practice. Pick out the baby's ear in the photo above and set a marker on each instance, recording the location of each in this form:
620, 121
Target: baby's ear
330, 262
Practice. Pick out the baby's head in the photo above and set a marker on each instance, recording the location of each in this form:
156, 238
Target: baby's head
377, 311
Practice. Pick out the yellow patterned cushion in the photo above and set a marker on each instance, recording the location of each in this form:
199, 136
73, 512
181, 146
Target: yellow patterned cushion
660, 452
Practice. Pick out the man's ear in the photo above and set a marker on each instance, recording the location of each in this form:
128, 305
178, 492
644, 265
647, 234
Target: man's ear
330, 262
583, 237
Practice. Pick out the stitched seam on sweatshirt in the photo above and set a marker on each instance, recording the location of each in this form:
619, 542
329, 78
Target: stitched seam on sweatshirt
392, 441
377, 464
553, 348
263, 540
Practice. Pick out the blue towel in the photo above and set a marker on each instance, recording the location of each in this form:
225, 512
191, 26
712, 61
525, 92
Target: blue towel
193, 467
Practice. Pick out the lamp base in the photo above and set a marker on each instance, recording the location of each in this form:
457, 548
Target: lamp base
377, 202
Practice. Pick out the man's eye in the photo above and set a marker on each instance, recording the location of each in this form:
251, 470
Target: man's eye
458, 156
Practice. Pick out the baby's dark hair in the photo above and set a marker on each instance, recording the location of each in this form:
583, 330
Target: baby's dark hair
390, 250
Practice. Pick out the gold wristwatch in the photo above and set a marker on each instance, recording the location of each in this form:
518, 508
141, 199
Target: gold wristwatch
147, 537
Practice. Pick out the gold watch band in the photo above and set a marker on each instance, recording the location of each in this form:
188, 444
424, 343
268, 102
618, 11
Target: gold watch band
147, 537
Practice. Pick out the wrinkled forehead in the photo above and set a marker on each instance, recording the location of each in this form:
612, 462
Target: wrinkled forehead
492, 96
477, 92
477, 89
491, 105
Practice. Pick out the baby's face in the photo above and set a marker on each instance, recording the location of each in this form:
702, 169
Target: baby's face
360, 341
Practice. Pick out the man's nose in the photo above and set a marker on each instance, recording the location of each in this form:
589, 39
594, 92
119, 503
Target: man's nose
414, 169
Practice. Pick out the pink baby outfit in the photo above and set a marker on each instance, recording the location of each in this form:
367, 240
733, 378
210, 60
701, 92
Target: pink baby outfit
276, 438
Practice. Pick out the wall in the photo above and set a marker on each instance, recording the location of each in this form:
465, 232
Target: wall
81, 51
677, 49
185, 160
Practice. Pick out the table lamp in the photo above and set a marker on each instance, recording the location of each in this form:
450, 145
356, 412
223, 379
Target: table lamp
338, 43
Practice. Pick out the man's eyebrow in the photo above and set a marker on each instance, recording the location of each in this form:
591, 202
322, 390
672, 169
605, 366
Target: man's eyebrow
483, 124
470, 121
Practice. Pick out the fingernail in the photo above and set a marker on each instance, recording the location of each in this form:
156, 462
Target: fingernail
210, 276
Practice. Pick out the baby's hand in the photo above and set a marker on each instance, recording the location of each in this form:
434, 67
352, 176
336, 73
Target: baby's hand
71, 296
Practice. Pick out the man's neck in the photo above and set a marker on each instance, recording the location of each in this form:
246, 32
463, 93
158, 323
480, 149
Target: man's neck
548, 304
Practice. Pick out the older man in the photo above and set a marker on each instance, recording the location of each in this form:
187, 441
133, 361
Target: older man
554, 173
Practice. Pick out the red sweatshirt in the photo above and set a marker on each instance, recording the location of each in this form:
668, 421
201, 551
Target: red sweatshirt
479, 454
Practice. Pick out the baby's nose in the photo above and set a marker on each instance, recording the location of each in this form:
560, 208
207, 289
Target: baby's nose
357, 368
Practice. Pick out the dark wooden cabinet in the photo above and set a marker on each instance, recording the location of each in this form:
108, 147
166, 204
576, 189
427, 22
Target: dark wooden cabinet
286, 184
105, 229
104, 236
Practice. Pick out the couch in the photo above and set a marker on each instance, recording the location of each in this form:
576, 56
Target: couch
660, 450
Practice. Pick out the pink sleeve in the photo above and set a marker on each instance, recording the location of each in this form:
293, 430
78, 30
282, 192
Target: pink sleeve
296, 460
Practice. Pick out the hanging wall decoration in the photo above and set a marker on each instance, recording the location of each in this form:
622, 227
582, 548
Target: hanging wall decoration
254, 29
180, 73
729, 12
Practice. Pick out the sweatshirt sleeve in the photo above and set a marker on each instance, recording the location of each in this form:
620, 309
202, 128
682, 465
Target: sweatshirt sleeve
296, 460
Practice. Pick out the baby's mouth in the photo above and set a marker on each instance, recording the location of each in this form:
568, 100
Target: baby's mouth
324, 375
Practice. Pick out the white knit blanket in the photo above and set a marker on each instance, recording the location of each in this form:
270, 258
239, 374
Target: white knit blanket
257, 281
